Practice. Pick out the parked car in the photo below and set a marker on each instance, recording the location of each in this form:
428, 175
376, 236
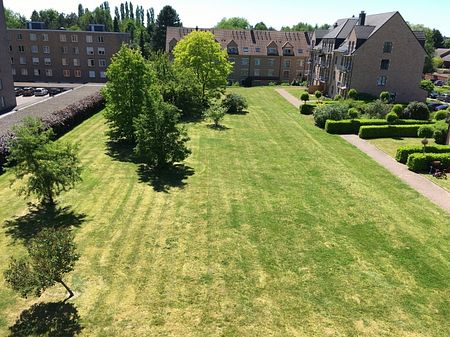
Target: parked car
27, 91
54, 91
441, 107
433, 94
432, 106
40, 92
18, 91
439, 83
444, 97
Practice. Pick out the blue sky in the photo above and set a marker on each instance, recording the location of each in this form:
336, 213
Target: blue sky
203, 13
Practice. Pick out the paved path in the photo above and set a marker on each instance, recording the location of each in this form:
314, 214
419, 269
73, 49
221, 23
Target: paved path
435, 193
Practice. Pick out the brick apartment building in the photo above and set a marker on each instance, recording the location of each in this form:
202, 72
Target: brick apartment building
7, 96
40, 55
259, 56
371, 54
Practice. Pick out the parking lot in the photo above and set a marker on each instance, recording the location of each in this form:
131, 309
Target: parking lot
23, 102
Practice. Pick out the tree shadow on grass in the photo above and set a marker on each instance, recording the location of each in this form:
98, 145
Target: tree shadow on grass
162, 180
242, 112
56, 319
219, 127
25, 227
121, 151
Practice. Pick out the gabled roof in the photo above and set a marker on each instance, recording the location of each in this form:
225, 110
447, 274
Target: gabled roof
363, 32
442, 52
320, 33
342, 28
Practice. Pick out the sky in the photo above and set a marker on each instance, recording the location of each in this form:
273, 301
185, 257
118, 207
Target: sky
275, 13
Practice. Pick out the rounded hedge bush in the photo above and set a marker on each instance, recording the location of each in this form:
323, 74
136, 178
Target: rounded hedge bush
353, 113
385, 96
440, 132
352, 94
304, 97
391, 117
441, 115
417, 110
234, 103
337, 97
398, 109
425, 131
307, 109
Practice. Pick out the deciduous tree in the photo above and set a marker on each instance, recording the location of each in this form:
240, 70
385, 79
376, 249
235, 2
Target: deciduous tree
167, 17
233, 23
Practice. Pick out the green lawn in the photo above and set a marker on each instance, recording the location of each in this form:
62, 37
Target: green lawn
390, 146
273, 228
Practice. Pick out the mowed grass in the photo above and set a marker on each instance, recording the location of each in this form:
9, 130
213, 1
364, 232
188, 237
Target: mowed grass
278, 229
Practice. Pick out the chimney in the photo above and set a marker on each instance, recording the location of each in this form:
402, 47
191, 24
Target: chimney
362, 18
196, 28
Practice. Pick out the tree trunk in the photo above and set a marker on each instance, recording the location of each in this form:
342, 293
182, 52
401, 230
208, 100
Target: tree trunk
67, 288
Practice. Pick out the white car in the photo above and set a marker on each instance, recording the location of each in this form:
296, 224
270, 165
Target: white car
40, 92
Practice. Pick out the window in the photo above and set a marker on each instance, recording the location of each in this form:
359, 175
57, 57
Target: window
44, 37
13, 71
100, 39
286, 73
300, 51
287, 51
21, 49
102, 63
257, 62
300, 63
10, 48
1, 84
76, 62
64, 50
74, 38
90, 50
384, 65
102, 74
91, 63
92, 74
66, 73
272, 51
33, 37
23, 60
64, 62
381, 81
232, 50
46, 49
37, 72
34, 49
245, 49
387, 48
48, 72
271, 62
244, 61
35, 60
257, 49
89, 38
75, 50
101, 50
24, 72
19, 36
77, 73
244, 72
287, 63
12, 60
257, 72
62, 37
2, 102
47, 61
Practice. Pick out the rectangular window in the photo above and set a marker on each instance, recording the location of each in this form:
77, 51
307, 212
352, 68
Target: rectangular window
257, 62
270, 72
46, 49
232, 50
77, 73
271, 62
35, 60
300, 51
33, 37
257, 72
387, 48
102, 63
286, 73
75, 50
64, 50
92, 74
301, 63
287, 63
10, 48
102, 74
37, 72
21, 49
100, 39
90, 50
12, 60
89, 38
76, 62
2, 102
66, 73
381, 81
48, 72
245, 49
91, 63
244, 61
1, 84
384, 65
272, 51
44, 37
24, 72
23, 60
74, 38
101, 50
34, 49
19, 36
47, 61
287, 51
13, 71
64, 62
257, 49
62, 38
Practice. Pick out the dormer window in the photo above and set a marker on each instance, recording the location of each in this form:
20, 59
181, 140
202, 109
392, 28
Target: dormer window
232, 50
287, 52
272, 51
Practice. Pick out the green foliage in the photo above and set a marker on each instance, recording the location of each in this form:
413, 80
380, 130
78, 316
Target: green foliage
47, 167
318, 94
440, 132
200, 53
427, 85
385, 96
337, 98
417, 110
261, 26
376, 109
14, 20
425, 131
234, 23
130, 81
388, 131
398, 109
404, 151
447, 43
419, 162
304, 97
437, 62
216, 113
352, 94
307, 109
353, 113
335, 111
391, 117
51, 255
343, 127
441, 115
234, 103
160, 142
304, 27
167, 17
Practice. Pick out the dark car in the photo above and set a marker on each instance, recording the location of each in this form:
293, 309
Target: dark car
18, 91
434, 105
439, 83
444, 97
28, 91
54, 91
433, 94
441, 107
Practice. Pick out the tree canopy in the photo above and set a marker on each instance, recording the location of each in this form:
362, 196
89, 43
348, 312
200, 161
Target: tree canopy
14, 20
167, 17
233, 23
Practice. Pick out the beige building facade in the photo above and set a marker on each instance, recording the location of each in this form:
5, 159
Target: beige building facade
7, 95
40, 55
259, 57
371, 54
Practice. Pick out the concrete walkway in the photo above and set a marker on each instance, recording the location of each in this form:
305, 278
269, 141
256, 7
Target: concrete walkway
433, 192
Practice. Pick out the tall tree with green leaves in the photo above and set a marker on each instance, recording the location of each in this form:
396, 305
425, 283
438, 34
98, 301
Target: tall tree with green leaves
168, 17
14, 20
233, 23
199, 52
47, 167
129, 78
261, 26
51, 255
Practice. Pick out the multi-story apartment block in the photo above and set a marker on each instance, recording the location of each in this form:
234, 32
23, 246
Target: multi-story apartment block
259, 56
39, 55
371, 54
7, 95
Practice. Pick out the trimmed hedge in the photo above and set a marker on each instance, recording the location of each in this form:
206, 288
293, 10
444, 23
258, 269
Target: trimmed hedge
388, 131
419, 162
403, 152
307, 109
347, 126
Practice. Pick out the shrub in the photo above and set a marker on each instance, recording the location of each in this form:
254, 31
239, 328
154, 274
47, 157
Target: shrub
318, 94
343, 127
335, 111
304, 97
337, 97
398, 109
440, 132
272, 84
388, 131
385, 96
425, 131
392, 117
363, 96
441, 115
236, 84
376, 109
417, 110
234, 103
427, 85
307, 109
353, 113
419, 162
352, 93
404, 151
